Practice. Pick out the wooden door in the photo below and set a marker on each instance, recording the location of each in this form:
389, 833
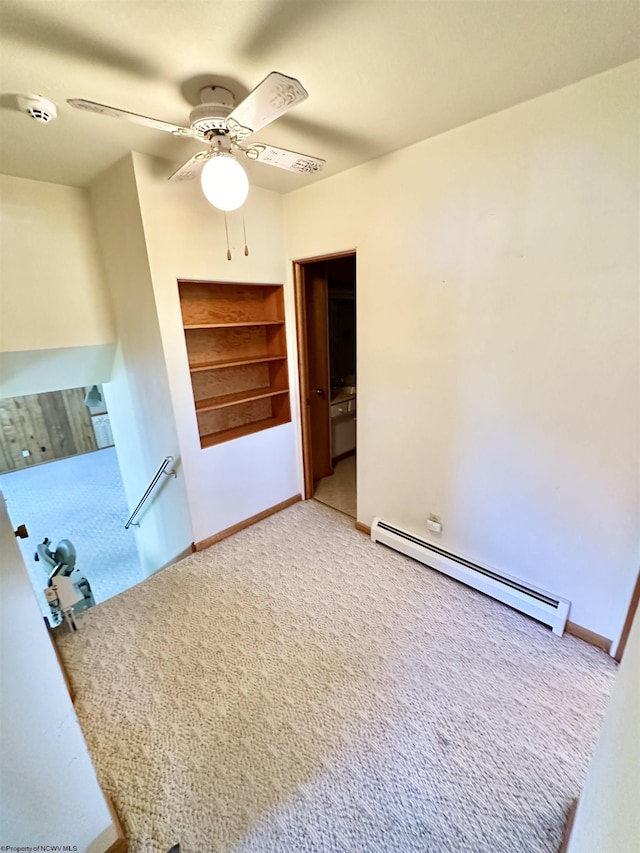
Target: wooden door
317, 329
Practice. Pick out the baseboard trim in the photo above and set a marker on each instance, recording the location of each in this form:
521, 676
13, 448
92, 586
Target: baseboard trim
631, 612
236, 528
588, 636
120, 845
342, 456
363, 528
568, 826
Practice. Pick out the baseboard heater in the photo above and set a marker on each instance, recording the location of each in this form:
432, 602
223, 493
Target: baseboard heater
543, 606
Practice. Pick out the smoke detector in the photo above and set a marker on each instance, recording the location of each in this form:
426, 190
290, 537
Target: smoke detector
38, 108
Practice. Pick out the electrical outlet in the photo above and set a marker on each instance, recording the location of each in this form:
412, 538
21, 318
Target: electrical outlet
433, 523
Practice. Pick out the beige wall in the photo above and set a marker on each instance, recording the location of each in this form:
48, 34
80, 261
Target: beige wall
38, 371
138, 396
608, 817
498, 338
52, 294
185, 238
49, 792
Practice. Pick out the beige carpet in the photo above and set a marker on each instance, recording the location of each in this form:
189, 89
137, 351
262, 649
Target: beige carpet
298, 688
339, 490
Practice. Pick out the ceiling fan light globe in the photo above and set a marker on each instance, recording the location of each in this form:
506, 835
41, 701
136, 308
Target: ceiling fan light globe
224, 182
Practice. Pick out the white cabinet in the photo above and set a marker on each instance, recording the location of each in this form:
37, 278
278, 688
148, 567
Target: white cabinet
343, 425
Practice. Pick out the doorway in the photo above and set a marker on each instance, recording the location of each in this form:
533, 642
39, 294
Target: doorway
325, 290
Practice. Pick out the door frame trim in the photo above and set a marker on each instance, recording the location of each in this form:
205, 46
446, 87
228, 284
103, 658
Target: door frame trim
626, 628
301, 341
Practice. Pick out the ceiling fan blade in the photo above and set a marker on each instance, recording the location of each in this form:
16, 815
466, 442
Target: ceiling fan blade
192, 168
114, 112
283, 159
271, 98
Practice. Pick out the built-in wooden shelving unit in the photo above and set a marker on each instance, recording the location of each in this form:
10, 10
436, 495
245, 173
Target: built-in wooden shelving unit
237, 351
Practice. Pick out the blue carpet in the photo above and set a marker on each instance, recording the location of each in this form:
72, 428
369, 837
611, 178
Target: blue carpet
82, 499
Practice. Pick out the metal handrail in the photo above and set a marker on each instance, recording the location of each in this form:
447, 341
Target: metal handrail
161, 470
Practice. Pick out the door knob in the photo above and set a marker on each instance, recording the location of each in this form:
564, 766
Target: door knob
21, 531
320, 392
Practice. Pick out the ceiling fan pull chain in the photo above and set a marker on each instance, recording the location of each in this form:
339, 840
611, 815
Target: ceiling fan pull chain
244, 231
226, 231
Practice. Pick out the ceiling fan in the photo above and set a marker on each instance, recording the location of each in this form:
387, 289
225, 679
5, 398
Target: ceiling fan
226, 128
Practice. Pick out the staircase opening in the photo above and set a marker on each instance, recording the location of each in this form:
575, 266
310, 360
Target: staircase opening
60, 476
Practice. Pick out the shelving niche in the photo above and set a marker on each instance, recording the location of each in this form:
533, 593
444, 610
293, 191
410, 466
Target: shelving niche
235, 335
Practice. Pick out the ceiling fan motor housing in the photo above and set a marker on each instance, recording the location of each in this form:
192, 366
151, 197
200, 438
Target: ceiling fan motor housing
210, 116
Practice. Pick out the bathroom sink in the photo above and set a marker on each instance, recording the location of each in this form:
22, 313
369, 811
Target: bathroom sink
343, 393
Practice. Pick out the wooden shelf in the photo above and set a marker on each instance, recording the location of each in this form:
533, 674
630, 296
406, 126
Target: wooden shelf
239, 431
234, 325
235, 362
239, 397
237, 349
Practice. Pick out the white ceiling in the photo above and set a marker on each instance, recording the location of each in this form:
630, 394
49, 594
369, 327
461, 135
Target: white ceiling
380, 75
